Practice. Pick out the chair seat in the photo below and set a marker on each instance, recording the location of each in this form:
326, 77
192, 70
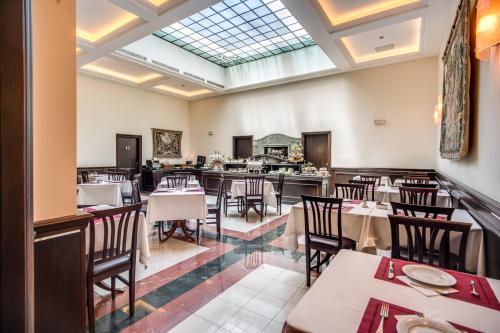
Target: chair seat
212, 208
112, 265
347, 243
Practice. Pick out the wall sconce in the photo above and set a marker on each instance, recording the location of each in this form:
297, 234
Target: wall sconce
487, 27
438, 110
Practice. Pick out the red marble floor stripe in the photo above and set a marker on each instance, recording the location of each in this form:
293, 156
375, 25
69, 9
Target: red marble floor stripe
216, 249
188, 303
252, 234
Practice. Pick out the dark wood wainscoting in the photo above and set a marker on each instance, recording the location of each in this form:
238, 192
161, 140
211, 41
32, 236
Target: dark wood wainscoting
60, 274
242, 146
318, 148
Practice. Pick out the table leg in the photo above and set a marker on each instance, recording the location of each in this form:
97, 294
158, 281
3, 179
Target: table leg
170, 232
183, 225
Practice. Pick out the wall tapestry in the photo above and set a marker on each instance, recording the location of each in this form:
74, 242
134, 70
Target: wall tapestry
456, 84
166, 143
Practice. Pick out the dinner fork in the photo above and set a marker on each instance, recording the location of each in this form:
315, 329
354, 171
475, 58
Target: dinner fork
384, 313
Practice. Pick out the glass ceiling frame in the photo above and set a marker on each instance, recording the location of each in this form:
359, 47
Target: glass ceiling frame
232, 32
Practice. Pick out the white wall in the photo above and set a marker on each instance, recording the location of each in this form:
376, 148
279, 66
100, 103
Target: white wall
480, 169
403, 94
105, 108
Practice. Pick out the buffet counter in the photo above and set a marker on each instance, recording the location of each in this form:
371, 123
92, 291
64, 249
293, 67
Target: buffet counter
294, 186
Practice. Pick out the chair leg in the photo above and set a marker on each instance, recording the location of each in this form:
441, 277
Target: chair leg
131, 291
318, 260
90, 306
217, 221
197, 231
308, 267
113, 287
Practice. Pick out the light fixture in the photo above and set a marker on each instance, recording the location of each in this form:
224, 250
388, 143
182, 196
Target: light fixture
487, 27
94, 36
110, 72
438, 109
183, 92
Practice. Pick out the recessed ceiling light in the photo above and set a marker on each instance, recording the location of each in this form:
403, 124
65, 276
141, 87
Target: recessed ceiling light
182, 92
110, 72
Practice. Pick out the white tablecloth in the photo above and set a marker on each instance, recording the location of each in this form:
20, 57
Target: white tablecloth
384, 180
142, 235
176, 205
337, 300
370, 227
238, 190
190, 184
388, 194
100, 194
400, 181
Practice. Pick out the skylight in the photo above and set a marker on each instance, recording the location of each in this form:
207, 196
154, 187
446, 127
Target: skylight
238, 31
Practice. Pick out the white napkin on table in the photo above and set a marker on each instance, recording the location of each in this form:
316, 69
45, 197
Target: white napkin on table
426, 290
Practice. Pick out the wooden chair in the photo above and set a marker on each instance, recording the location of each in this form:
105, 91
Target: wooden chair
370, 186
319, 231
421, 185
183, 174
351, 191
437, 248
254, 195
229, 201
176, 181
429, 212
138, 177
116, 255
279, 191
417, 179
117, 175
157, 177
418, 195
85, 176
214, 210
371, 178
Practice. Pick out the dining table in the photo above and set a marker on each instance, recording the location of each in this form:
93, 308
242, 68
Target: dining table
391, 193
108, 193
238, 190
350, 293
178, 206
369, 226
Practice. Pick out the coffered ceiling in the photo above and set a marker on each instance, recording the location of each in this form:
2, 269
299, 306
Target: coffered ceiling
129, 40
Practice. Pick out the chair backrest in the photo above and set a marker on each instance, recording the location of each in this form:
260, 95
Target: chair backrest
183, 174
138, 177
418, 195
376, 179
281, 182
157, 177
119, 235
417, 179
254, 186
318, 217
420, 185
438, 245
136, 192
117, 175
351, 191
176, 181
370, 186
432, 212
85, 176
220, 192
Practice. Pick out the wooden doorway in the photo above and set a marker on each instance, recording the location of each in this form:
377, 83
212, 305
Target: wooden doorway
243, 146
16, 197
129, 152
317, 148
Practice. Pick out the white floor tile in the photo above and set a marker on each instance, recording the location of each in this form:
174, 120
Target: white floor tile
265, 305
291, 277
238, 295
273, 327
298, 295
281, 290
268, 271
217, 311
255, 282
246, 321
194, 324
283, 313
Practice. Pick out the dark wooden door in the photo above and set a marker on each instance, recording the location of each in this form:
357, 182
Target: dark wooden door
242, 146
129, 152
317, 148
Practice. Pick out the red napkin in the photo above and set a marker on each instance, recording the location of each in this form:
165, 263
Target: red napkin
487, 297
371, 318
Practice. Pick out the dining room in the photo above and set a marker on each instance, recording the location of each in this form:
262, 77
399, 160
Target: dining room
251, 166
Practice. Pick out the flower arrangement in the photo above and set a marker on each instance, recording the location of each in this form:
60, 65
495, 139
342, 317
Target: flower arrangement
217, 162
323, 172
296, 154
309, 170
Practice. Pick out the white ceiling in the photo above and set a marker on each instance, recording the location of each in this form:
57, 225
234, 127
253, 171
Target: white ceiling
348, 31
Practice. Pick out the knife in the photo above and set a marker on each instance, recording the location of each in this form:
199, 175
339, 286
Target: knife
390, 275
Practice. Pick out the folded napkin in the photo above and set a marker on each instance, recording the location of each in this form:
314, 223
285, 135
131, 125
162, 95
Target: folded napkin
432, 317
425, 289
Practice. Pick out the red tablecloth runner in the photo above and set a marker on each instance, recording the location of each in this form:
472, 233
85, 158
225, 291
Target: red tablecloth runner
371, 318
487, 297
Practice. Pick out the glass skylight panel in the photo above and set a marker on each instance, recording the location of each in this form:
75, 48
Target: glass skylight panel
232, 32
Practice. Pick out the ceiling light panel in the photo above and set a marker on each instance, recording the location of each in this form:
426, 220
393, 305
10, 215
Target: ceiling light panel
97, 19
232, 32
403, 38
182, 92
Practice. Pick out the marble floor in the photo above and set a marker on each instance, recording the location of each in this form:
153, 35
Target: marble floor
240, 281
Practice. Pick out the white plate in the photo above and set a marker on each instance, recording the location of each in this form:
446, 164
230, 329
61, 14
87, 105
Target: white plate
421, 325
429, 275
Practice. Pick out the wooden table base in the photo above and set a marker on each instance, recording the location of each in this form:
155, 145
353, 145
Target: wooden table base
176, 224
